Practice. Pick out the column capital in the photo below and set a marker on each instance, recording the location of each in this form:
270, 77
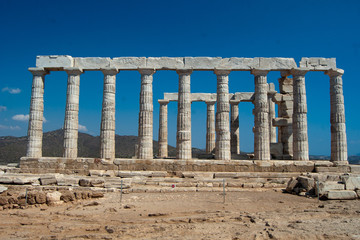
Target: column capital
110, 71
222, 72
146, 71
163, 102
299, 71
73, 71
285, 74
184, 71
334, 72
259, 72
234, 102
38, 71
210, 102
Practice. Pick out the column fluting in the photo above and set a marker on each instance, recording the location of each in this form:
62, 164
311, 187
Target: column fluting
272, 129
35, 128
163, 129
261, 116
210, 127
339, 153
183, 135
145, 136
107, 128
234, 128
300, 131
71, 123
222, 148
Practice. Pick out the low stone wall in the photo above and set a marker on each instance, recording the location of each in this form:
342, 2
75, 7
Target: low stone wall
82, 166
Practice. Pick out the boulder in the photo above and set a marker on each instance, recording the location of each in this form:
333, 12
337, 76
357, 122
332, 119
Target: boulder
306, 182
53, 198
40, 198
67, 196
84, 182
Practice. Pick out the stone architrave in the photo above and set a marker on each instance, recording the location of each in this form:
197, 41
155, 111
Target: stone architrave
222, 148
300, 132
107, 129
337, 118
71, 123
234, 128
35, 129
163, 129
261, 116
183, 135
272, 129
210, 127
145, 136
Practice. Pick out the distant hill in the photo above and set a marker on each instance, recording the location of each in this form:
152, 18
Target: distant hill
12, 148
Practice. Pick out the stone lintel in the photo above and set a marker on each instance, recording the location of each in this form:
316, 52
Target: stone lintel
59, 62
334, 72
38, 71
318, 64
211, 97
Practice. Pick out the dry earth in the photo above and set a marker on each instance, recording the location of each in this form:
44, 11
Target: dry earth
194, 215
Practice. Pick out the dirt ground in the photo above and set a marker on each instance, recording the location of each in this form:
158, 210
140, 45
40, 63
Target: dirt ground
194, 215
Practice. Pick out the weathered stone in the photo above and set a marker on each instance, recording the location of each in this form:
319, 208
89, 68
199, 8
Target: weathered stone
3, 189
54, 62
306, 182
48, 180
291, 184
352, 183
67, 196
97, 183
318, 63
128, 63
84, 182
355, 168
324, 187
341, 195
91, 63
53, 198
40, 198
165, 63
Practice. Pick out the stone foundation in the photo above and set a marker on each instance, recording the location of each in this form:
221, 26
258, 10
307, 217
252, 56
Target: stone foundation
82, 166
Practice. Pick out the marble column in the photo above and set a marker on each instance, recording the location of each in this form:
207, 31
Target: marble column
261, 116
107, 129
272, 129
234, 128
35, 128
300, 132
145, 136
163, 129
183, 135
222, 148
71, 123
210, 127
337, 118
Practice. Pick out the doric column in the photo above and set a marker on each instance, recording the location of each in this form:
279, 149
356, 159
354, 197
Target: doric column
163, 129
234, 128
300, 132
222, 148
210, 127
272, 129
145, 136
183, 135
35, 128
261, 116
337, 118
71, 123
107, 129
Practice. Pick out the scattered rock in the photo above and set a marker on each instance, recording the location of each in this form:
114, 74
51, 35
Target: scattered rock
84, 182
94, 203
53, 198
109, 229
67, 196
128, 206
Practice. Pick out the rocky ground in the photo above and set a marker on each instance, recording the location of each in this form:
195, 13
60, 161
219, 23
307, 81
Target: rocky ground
256, 214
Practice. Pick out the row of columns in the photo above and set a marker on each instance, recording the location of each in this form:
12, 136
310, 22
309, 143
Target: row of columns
223, 142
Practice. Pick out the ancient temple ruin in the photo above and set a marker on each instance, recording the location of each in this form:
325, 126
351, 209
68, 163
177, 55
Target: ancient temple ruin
291, 120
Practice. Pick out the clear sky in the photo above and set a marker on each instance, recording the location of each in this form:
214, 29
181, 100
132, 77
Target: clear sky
175, 28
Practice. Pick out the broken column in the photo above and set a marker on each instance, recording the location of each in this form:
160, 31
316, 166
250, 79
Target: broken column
300, 133
337, 118
163, 129
35, 128
222, 148
71, 123
261, 116
234, 128
145, 136
210, 127
107, 129
183, 135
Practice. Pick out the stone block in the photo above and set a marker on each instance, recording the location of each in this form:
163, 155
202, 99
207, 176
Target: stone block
12, 165
341, 195
354, 168
253, 185
358, 193
92, 63
275, 63
6, 180
318, 63
53, 198
55, 62
277, 97
48, 180
225, 175
202, 63
276, 150
306, 182
324, 187
237, 63
84, 182
165, 62
67, 181
3, 189
128, 63
323, 163
326, 169
352, 183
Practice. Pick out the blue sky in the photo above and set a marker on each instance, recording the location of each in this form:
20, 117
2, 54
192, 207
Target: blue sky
175, 28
